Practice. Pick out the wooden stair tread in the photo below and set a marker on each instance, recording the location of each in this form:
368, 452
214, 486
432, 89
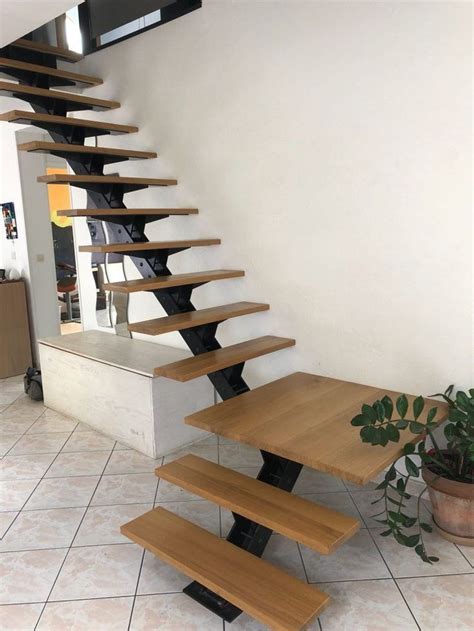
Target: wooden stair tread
81, 79
190, 319
148, 245
306, 418
40, 47
40, 146
311, 524
125, 212
173, 280
263, 591
206, 363
21, 117
15, 89
64, 178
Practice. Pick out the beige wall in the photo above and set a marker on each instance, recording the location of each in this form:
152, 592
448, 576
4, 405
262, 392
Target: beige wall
328, 144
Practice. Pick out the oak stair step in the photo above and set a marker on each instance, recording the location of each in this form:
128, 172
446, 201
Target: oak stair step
51, 122
263, 591
64, 149
200, 317
10, 66
173, 280
73, 102
148, 245
46, 49
311, 524
101, 182
205, 363
126, 216
307, 418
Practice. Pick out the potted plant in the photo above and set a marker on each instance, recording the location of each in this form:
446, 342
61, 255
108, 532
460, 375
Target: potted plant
447, 472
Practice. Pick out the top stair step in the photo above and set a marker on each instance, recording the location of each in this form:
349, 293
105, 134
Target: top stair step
81, 80
200, 317
307, 419
280, 601
51, 122
206, 363
46, 49
311, 524
43, 96
109, 154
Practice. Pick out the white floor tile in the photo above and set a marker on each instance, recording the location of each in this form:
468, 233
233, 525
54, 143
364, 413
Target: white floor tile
102, 614
47, 425
172, 612
28, 576
130, 461
158, 577
85, 463
14, 493
88, 441
136, 488
366, 606
6, 520
339, 501
404, 561
19, 617
39, 444
364, 499
99, 572
209, 452
357, 558
312, 481
239, 456
101, 525
14, 425
202, 513
441, 602
43, 529
25, 467
7, 441
63, 492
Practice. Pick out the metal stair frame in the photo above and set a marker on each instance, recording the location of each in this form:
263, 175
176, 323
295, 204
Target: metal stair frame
277, 471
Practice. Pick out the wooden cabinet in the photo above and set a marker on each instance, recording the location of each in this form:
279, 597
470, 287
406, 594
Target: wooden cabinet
15, 343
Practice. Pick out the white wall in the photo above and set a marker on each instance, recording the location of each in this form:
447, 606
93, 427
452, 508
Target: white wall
32, 253
328, 144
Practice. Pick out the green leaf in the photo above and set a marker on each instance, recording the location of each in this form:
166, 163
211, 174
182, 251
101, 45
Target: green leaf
462, 400
386, 533
426, 527
382, 485
388, 405
398, 518
408, 448
392, 433
431, 414
401, 424
410, 521
391, 474
360, 420
456, 416
417, 428
418, 405
382, 438
402, 405
434, 559
412, 468
379, 410
367, 433
369, 412
412, 541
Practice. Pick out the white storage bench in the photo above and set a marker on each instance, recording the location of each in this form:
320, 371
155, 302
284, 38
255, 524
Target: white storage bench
107, 381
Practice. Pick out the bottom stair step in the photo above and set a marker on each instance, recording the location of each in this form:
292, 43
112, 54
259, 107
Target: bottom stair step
316, 526
265, 592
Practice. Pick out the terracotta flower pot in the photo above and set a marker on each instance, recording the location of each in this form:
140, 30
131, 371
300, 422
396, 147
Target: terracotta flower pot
453, 507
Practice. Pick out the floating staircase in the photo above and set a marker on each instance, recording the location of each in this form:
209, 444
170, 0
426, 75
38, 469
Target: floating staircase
299, 420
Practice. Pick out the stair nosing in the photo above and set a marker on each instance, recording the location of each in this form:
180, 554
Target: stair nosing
60, 95
59, 73
13, 116
40, 145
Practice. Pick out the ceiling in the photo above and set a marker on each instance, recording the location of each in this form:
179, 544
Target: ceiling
18, 17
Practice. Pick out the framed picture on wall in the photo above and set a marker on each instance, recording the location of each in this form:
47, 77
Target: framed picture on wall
9, 219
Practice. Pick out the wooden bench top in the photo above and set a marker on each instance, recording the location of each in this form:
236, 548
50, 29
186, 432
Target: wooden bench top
306, 418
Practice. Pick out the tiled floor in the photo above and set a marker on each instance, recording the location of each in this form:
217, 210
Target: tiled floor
65, 490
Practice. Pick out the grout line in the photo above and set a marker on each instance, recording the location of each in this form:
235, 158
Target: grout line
72, 541
464, 555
